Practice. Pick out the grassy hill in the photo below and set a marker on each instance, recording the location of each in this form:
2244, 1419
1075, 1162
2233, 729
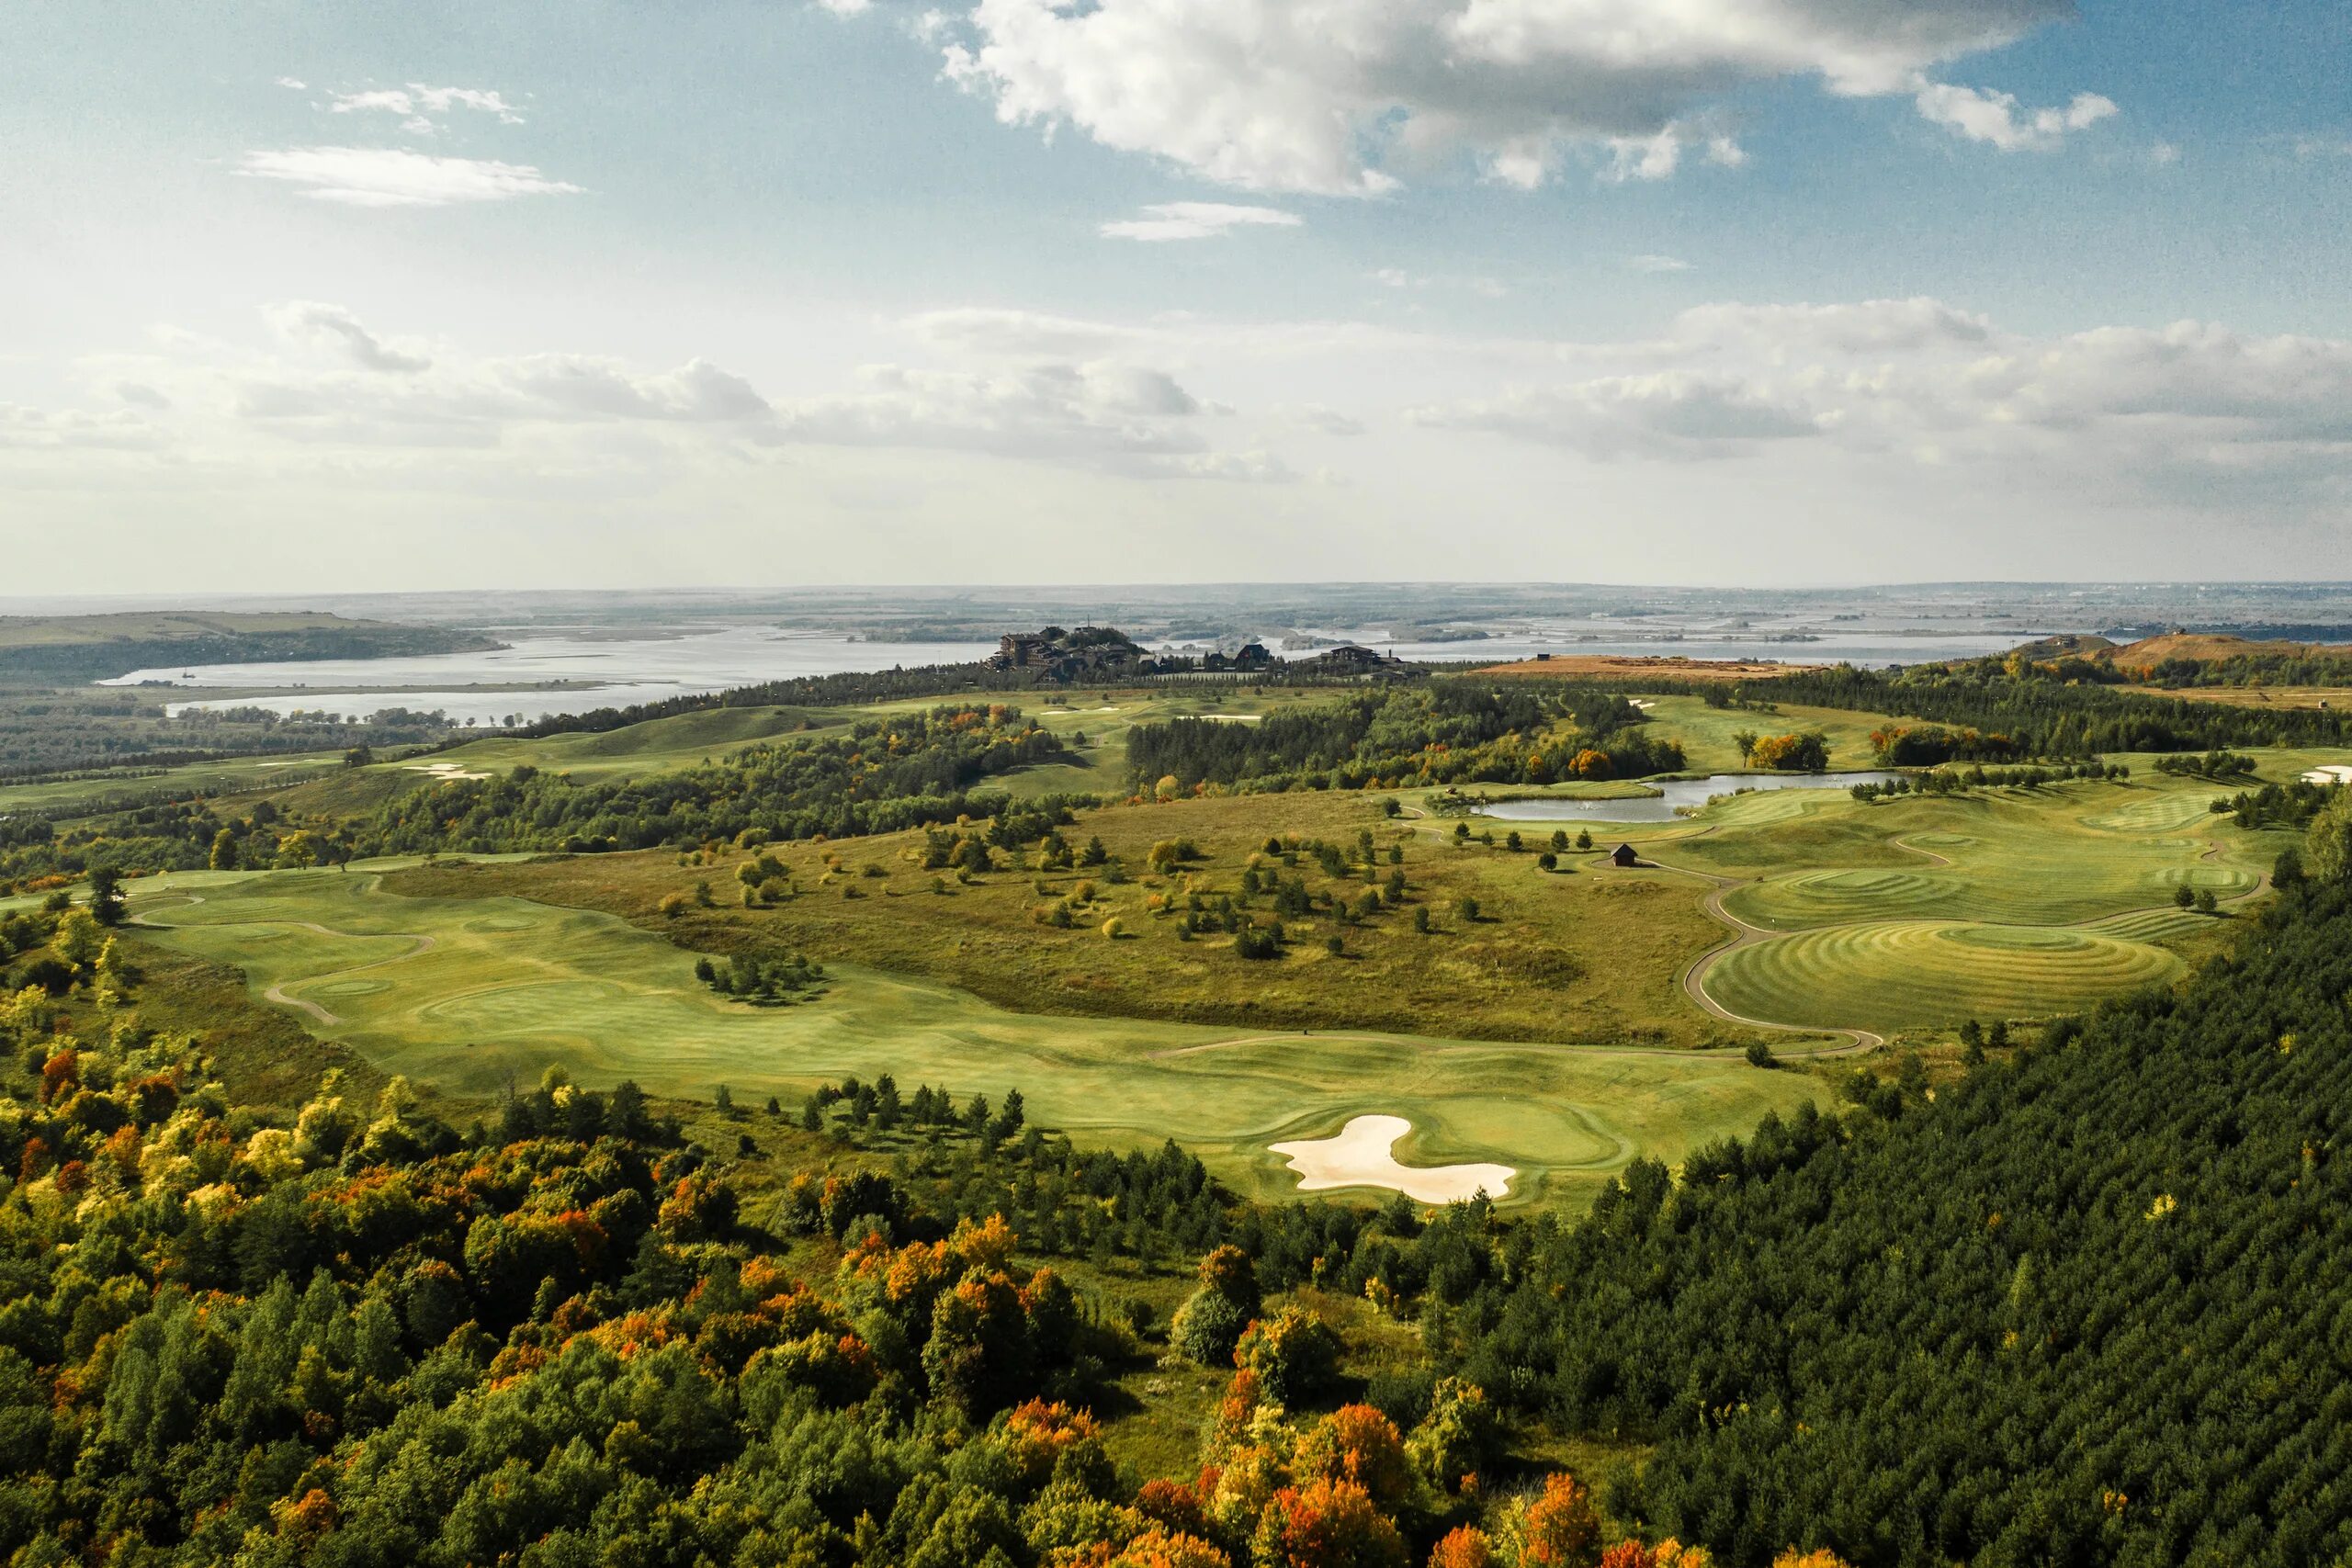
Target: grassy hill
443, 976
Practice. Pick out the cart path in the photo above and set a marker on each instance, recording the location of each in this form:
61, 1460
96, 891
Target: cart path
425, 943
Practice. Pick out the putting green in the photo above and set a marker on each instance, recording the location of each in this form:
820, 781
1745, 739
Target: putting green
471, 993
1890, 974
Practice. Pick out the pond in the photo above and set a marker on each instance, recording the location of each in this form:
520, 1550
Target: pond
1674, 794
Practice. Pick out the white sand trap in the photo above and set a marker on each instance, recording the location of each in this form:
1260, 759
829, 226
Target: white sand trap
1359, 1156
446, 771
2329, 773
1233, 718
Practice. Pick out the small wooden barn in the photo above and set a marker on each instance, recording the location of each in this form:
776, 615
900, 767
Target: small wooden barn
1623, 855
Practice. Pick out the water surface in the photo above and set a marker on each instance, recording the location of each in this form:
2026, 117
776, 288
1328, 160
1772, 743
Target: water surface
1675, 794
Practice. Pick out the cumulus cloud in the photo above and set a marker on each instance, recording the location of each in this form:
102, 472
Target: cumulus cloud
1867, 326
2109, 410
1096, 414
388, 176
1996, 119
330, 380
1197, 220
1337, 97
308, 321
1670, 414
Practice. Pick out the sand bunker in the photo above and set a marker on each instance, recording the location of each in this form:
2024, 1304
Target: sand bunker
446, 771
2329, 773
1359, 1156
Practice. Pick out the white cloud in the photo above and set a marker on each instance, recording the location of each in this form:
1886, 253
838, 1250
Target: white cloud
2107, 411
418, 104
983, 332
1097, 415
47, 430
1325, 420
1197, 220
296, 83
2323, 147
1338, 96
332, 383
1996, 119
2164, 154
845, 8
1671, 414
308, 321
1868, 326
387, 176
1655, 263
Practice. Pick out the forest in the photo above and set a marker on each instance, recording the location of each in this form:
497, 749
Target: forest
1995, 711
2078, 1304
900, 771
1445, 730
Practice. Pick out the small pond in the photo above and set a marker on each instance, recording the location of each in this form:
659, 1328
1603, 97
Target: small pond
1675, 792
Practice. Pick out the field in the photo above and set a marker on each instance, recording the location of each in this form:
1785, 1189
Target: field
1556, 1020
473, 992
2258, 696
1706, 732
111, 789
159, 625
684, 741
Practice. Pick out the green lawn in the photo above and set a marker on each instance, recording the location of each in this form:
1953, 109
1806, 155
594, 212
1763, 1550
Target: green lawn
467, 992
1706, 732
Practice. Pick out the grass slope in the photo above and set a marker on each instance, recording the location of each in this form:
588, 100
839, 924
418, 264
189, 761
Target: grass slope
108, 789
467, 992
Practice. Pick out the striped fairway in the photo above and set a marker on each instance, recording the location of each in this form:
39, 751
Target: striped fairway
1890, 974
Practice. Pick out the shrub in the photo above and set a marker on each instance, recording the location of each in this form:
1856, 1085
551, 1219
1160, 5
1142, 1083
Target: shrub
1324, 1524
1561, 1529
1295, 1354
1207, 1327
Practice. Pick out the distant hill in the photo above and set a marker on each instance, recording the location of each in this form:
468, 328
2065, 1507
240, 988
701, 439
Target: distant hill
2069, 645
2172, 646
42, 649
2206, 648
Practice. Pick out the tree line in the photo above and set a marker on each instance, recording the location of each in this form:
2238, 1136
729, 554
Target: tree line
1447, 730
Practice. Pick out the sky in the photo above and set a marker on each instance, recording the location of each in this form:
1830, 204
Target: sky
582, 293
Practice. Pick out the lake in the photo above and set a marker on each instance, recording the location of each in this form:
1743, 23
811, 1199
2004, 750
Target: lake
601, 672
1676, 794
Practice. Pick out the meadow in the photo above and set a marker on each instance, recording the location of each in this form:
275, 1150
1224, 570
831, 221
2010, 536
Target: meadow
1556, 1018
474, 993
99, 790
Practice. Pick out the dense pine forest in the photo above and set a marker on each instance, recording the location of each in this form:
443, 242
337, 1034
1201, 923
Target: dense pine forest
1998, 710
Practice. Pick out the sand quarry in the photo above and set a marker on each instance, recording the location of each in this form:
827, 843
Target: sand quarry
1358, 1156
